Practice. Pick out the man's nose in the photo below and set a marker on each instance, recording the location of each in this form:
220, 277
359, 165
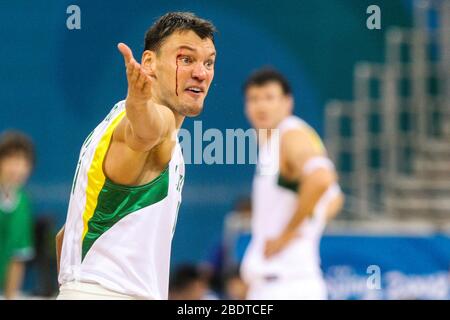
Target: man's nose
262, 104
199, 72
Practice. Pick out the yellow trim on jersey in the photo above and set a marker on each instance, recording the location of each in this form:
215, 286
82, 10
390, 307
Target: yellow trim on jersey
95, 175
315, 139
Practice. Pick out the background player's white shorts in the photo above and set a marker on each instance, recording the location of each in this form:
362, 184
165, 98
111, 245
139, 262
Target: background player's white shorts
88, 291
288, 289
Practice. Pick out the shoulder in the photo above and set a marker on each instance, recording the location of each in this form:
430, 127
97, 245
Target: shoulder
296, 139
296, 134
297, 146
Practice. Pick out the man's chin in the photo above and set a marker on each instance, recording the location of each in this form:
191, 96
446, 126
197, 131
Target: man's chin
192, 111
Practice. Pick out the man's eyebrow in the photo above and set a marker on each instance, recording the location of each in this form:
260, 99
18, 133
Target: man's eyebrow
194, 49
187, 48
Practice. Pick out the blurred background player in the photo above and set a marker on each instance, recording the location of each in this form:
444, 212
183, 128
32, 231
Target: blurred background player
234, 287
127, 189
16, 241
292, 203
191, 282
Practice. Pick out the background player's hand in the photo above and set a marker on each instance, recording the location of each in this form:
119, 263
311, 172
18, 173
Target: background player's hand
274, 246
139, 83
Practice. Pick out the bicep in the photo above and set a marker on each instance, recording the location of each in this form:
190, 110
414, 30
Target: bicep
122, 164
125, 157
296, 150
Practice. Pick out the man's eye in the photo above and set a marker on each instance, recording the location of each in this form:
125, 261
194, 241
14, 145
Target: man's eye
186, 60
209, 64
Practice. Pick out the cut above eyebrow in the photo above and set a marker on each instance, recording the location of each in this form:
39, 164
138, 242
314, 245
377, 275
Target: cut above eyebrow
187, 47
193, 49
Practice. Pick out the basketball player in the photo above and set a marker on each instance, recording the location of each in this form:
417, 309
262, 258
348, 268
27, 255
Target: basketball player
127, 187
292, 203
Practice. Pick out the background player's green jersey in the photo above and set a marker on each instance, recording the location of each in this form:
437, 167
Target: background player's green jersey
16, 241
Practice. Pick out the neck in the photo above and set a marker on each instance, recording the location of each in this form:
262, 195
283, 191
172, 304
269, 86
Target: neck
179, 119
282, 119
6, 188
265, 134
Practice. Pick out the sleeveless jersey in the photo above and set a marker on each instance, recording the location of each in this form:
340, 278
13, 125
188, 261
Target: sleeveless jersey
120, 236
274, 202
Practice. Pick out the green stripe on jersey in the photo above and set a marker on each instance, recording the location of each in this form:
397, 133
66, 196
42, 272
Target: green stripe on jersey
288, 184
116, 202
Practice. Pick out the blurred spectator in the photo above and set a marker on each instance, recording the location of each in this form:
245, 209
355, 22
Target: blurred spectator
235, 287
215, 262
190, 282
17, 159
224, 255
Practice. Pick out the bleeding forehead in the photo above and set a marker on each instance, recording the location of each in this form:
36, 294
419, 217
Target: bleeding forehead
188, 38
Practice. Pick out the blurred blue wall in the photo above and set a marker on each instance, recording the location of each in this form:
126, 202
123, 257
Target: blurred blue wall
384, 265
57, 84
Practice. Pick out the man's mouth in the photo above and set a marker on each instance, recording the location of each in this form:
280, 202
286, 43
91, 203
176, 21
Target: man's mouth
261, 117
195, 90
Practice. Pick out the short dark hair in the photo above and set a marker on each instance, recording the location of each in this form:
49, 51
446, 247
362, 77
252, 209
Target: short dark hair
265, 75
177, 21
12, 142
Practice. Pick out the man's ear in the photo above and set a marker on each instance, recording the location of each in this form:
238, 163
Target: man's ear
148, 62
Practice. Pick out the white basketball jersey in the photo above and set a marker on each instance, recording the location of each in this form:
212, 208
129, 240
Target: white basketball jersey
273, 205
120, 236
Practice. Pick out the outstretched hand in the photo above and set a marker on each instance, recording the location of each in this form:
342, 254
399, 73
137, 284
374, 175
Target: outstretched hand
139, 83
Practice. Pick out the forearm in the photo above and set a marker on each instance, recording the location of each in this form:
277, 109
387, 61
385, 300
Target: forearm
145, 121
14, 278
335, 206
309, 194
